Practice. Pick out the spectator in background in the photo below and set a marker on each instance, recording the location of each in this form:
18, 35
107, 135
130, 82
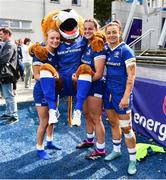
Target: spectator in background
19, 58
27, 61
1, 44
8, 61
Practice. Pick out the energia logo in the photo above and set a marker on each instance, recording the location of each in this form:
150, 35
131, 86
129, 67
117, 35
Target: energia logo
151, 125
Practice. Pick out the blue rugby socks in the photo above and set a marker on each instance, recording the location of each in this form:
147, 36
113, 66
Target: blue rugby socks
83, 86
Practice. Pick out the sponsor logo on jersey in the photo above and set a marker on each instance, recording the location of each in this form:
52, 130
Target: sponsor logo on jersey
113, 63
50, 59
116, 54
69, 51
88, 52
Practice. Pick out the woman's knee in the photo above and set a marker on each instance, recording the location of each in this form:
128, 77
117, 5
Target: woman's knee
127, 129
96, 118
43, 124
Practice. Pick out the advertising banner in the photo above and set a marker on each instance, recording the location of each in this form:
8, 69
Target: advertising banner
135, 32
149, 109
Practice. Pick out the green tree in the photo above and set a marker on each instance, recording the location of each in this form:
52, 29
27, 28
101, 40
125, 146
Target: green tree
102, 10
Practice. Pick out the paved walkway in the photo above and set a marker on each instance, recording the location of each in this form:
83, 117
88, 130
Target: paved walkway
23, 94
154, 72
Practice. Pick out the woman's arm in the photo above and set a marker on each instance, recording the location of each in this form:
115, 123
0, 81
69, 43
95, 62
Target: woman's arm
36, 72
131, 72
99, 67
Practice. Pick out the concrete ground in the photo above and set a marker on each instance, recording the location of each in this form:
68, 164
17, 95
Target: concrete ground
18, 159
154, 72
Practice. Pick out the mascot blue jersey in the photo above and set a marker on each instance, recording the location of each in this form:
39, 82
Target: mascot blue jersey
117, 60
89, 57
52, 60
69, 56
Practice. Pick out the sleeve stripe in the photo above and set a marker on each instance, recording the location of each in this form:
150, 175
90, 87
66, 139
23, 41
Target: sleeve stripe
37, 63
130, 61
99, 57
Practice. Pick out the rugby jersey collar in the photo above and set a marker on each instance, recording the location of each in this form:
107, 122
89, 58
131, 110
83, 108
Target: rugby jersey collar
116, 46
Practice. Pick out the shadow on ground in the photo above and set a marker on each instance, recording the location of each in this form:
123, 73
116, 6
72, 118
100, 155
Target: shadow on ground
18, 158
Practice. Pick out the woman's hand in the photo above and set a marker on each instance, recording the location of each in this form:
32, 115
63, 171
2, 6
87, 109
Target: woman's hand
124, 103
74, 77
56, 75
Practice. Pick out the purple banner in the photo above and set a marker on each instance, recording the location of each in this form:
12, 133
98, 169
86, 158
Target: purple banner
149, 109
134, 32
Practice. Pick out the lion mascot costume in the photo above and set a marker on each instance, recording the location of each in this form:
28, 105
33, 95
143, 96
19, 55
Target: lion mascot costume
70, 26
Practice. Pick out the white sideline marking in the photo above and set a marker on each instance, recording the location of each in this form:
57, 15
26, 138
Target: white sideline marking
123, 177
81, 170
99, 174
76, 137
39, 163
112, 167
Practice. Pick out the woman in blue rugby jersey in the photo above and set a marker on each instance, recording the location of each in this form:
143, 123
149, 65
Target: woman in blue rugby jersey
94, 87
120, 76
46, 110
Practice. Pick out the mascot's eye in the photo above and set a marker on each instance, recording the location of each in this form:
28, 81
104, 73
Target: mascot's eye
55, 17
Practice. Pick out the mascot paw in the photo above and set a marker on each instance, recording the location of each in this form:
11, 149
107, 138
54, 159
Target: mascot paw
39, 51
54, 72
84, 69
97, 42
50, 68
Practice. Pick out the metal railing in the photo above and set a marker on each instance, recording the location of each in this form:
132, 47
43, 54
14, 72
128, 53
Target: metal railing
147, 33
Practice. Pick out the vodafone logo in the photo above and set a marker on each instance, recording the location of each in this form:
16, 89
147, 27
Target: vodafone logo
164, 106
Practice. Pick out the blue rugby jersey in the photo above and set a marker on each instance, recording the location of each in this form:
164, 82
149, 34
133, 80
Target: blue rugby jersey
89, 57
52, 60
116, 61
69, 56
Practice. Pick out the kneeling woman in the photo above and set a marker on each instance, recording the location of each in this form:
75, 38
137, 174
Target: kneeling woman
46, 112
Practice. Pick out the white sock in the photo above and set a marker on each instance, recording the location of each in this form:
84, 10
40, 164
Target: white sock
116, 145
49, 138
39, 147
132, 154
89, 136
100, 146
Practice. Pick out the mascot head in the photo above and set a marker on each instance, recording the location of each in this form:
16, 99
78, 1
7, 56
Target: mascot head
67, 22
